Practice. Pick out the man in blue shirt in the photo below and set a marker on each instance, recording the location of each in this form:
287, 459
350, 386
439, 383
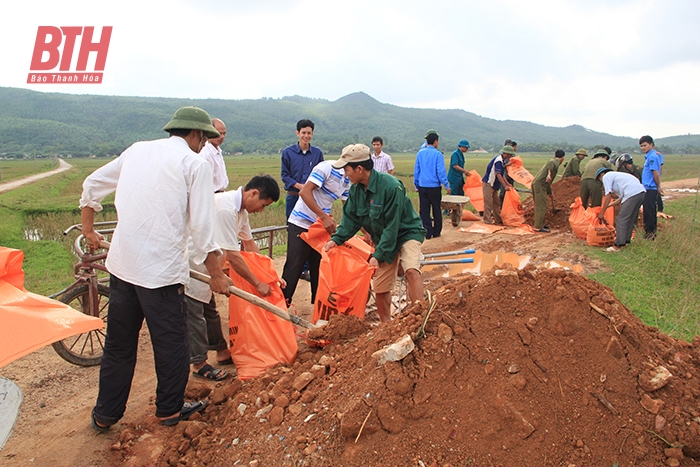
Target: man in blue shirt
492, 182
428, 174
651, 179
298, 161
455, 175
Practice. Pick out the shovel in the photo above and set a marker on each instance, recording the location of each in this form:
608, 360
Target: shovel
249, 297
554, 210
257, 301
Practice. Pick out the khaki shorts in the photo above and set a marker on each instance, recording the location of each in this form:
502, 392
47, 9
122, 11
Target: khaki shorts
409, 257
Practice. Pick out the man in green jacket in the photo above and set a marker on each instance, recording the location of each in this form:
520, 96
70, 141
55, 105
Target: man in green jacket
542, 187
592, 189
378, 203
573, 167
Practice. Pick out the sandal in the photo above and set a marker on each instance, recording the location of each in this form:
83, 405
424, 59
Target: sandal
97, 426
188, 408
211, 373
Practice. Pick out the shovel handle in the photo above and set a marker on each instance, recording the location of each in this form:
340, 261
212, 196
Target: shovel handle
249, 297
257, 301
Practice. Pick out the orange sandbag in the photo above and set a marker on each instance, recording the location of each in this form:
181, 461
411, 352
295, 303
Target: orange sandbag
30, 321
518, 172
600, 234
317, 237
592, 215
469, 216
512, 212
343, 284
472, 188
578, 220
259, 339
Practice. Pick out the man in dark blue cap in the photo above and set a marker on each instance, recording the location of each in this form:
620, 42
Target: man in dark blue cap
455, 176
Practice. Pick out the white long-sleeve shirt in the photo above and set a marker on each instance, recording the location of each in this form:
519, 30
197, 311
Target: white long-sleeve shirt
164, 194
214, 156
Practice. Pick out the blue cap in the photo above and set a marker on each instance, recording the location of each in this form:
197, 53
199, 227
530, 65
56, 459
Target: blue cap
464, 143
601, 171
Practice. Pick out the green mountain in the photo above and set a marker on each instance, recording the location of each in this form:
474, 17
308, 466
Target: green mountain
85, 124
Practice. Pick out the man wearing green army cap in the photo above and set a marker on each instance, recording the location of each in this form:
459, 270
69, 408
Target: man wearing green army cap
164, 196
573, 167
591, 188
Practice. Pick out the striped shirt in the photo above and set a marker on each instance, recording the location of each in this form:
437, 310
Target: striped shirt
332, 185
382, 162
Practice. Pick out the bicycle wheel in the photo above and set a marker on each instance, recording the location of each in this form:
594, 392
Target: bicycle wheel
84, 349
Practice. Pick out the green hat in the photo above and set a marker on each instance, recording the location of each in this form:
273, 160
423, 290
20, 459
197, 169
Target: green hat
601, 153
192, 118
430, 131
601, 171
464, 143
582, 152
508, 150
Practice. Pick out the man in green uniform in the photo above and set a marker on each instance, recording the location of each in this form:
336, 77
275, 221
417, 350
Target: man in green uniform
455, 176
592, 189
542, 186
378, 203
625, 164
573, 167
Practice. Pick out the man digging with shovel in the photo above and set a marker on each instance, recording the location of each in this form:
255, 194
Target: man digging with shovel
542, 187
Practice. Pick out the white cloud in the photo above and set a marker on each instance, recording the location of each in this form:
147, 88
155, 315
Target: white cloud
618, 66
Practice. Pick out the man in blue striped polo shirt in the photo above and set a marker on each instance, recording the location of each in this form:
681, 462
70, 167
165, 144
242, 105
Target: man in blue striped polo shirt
324, 185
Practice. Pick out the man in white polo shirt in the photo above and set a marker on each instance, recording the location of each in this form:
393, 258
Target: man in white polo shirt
325, 185
232, 224
630, 193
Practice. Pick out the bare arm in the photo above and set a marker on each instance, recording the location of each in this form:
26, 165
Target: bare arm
220, 282
239, 265
307, 194
503, 181
93, 238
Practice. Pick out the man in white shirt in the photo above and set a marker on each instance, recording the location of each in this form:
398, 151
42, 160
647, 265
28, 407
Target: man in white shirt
163, 194
231, 224
213, 154
325, 185
630, 193
382, 161
215, 336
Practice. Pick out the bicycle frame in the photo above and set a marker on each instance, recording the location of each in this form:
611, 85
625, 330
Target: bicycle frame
85, 269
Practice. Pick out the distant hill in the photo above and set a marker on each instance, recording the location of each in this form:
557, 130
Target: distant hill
85, 124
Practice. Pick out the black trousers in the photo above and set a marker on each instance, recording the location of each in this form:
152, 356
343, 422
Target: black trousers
649, 204
165, 312
430, 198
298, 252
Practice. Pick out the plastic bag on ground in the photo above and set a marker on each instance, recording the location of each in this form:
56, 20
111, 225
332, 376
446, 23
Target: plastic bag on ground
259, 339
467, 215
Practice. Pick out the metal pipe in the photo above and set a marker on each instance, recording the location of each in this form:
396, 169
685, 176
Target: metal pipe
450, 253
448, 261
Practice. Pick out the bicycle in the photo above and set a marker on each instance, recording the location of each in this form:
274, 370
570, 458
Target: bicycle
89, 294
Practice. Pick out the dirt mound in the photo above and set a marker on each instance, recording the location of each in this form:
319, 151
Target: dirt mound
565, 192
530, 367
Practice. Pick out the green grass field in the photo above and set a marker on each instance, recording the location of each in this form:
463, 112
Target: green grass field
14, 169
657, 280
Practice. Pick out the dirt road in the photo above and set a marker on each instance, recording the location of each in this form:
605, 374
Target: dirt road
11, 185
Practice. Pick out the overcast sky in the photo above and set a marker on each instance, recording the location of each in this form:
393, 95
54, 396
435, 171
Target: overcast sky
625, 67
